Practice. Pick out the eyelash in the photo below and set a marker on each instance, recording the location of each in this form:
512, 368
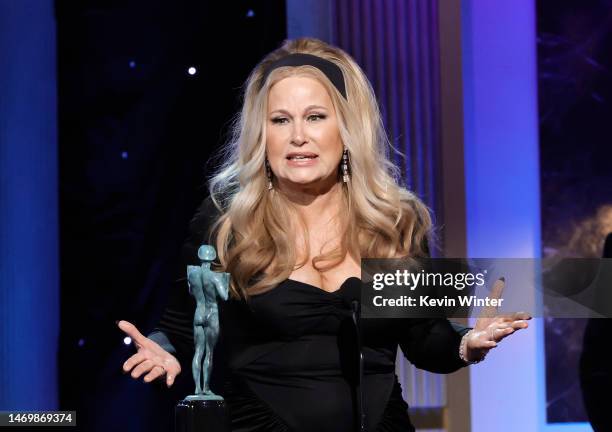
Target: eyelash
278, 120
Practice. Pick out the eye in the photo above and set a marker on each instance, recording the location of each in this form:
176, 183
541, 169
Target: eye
279, 120
316, 117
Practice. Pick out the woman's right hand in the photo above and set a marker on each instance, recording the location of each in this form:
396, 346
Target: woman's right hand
150, 357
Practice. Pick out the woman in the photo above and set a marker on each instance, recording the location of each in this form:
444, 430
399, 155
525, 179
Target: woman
305, 192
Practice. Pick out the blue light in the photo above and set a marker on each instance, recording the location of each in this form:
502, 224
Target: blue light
250, 13
124, 155
29, 243
132, 64
81, 342
502, 193
192, 70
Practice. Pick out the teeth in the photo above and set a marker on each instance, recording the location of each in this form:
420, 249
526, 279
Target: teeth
301, 157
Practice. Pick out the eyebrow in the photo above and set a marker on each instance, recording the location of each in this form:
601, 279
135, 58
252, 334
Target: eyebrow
308, 108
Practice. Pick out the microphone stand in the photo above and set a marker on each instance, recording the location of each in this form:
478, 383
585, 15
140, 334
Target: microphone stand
355, 316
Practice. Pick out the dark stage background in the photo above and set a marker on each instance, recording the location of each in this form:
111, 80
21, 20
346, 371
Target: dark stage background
575, 99
135, 131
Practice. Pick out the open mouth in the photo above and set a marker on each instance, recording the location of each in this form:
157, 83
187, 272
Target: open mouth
297, 158
301, 156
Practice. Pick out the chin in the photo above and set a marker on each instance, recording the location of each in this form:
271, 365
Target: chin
304, 181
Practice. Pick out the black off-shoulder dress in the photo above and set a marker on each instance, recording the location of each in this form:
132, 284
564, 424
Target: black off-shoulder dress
289, 357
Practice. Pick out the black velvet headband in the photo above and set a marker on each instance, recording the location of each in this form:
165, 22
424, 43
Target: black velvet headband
330, 69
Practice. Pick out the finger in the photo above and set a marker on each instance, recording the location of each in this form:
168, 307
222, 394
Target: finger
171, 374
169, 380
488, 344
143, 367
521, 316
496, 334
521, 324
133, 361
503, 333
496, 292
500, 324
513, 316
131, 330
498, 288
155, 373
481, 339
505, 317
507, 323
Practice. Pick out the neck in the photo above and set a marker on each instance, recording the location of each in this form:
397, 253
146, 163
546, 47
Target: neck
316, 204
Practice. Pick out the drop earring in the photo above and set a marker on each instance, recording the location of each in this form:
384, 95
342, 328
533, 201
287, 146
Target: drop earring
345, 174
268, 174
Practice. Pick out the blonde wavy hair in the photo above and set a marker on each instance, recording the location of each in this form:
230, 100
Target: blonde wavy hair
381, 219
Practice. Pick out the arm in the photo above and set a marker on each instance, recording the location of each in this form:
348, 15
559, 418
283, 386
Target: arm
459, 328
160, 338
432, 344
222, 286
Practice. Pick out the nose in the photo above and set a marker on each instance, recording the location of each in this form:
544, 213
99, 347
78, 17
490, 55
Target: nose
298, 136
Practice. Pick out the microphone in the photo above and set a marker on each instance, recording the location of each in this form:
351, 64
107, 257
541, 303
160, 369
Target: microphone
351, 291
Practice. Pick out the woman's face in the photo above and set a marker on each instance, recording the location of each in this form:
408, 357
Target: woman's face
303, 143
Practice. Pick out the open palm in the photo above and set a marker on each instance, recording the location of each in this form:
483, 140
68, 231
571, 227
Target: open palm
150, 357
491, 328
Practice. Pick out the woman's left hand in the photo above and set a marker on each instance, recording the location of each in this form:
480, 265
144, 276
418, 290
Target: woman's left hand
491, 328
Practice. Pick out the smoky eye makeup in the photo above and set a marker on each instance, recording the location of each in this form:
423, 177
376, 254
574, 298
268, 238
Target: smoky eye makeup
318, 116
314, 116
